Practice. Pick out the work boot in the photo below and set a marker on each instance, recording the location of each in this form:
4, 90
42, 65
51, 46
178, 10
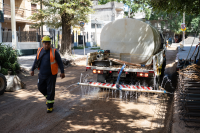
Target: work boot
49, 110
49, 107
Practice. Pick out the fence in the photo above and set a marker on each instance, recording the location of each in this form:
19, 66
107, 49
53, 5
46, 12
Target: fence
23, 36
7, 36
27, 36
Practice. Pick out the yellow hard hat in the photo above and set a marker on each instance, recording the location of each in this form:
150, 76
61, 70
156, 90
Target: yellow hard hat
46, 39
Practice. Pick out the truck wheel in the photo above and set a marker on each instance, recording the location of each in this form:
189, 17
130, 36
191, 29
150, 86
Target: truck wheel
3, 83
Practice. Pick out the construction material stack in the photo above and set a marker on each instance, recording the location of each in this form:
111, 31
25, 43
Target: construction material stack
189, 95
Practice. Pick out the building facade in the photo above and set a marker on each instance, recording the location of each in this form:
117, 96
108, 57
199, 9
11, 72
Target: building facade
103, 15
23, 10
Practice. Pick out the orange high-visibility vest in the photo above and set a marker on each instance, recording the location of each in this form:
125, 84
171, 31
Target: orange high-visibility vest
54, 64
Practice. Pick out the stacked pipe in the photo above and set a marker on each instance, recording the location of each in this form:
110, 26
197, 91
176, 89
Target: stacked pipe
189, 96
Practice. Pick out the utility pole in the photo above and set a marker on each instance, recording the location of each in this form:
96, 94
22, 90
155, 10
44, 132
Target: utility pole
83, 42
1, 23
96, 31
82, 24
41, 19
183, 30
13, 24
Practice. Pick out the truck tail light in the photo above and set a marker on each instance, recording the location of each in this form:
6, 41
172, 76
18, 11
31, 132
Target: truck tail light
94, 71
97, 71
110, 71
140, 74
100, 71
88, 67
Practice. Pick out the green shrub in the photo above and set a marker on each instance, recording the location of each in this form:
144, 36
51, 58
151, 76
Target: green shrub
75, 47
4, 71
17, 66
8, 60
95, 48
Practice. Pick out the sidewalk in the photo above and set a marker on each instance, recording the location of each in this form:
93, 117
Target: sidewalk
26, 62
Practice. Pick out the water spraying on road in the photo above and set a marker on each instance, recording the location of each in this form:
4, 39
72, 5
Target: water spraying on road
104, 94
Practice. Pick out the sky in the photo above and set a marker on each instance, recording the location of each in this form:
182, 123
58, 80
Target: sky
125, 8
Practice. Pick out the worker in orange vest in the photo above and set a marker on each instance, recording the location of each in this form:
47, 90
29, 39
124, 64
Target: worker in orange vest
47, 61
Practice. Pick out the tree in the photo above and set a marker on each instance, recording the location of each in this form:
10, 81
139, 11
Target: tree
138, 6
135, 5
62, 13
177, 6
102, 2
174, 20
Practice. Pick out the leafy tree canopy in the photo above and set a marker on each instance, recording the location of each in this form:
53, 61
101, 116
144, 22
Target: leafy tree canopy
135, 5
102, 2
62, 13
191, 7
174, 21
53, 10
176, 6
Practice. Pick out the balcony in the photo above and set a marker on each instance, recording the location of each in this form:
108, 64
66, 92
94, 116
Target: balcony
20, 13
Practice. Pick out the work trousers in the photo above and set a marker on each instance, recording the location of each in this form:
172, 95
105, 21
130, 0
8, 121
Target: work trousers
47, 87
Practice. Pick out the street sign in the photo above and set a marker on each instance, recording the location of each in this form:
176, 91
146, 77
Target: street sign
1, 16
82, 24
183, 28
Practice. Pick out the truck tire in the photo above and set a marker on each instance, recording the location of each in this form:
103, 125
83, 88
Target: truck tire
157, 82
3, 83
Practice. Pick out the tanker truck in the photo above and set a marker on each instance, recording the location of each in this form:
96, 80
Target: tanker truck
131, 58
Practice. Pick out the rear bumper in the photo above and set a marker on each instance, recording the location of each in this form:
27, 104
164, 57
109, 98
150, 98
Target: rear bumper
123, 87
117, 69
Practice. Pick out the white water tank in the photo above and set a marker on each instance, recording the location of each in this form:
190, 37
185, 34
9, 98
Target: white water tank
134, 40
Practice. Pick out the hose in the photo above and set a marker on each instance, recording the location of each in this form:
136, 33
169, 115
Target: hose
118, 78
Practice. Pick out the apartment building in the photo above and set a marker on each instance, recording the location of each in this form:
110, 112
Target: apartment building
23, 10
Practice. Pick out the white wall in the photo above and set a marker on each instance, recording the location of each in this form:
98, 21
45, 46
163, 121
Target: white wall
88, 28
24, 45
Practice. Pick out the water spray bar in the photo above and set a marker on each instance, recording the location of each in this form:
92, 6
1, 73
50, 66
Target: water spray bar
123, 87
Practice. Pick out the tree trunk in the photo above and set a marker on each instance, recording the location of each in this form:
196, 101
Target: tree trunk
66, 36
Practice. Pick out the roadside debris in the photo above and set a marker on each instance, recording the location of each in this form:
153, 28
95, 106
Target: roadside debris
14, 83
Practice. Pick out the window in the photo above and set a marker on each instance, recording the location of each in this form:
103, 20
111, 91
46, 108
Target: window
33, 8
98, 26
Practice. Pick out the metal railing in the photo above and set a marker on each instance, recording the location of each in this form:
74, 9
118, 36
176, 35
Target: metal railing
19, 12
27, 36
23, 36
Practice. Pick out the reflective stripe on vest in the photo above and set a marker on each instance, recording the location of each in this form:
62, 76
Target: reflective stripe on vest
38, 52
53, 53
